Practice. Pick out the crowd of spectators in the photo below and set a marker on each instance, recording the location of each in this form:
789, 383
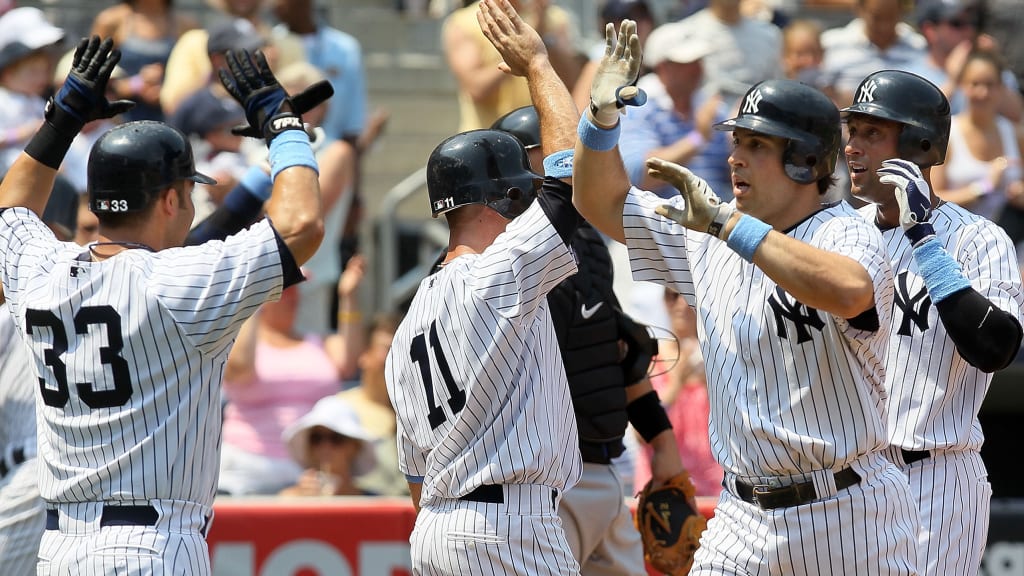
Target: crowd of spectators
306, 410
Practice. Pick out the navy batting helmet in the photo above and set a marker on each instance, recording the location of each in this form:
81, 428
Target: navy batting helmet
801, 114
914, 102
487, 167
522, 123
132, 162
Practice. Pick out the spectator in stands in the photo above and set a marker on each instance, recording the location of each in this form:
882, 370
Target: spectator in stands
333, 447
676, 123
27, 43
370, 401
678, 377
144, 31
189, 67
1004, 20
982, 171
746, 51
802, 53
486, 93
612, 12
875, 40
273, 376
950, 28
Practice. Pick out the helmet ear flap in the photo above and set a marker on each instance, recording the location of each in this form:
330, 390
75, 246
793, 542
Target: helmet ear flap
801, 163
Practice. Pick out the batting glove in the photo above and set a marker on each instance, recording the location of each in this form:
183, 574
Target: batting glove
913, 195
249, 80
703, 211
82, 98
614, 85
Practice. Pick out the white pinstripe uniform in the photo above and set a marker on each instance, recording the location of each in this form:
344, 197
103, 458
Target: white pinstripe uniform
131, 353
935, 395
796, 395
481, 399
22, 514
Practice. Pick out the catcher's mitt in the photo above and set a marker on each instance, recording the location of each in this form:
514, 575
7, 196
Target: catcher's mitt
670, 524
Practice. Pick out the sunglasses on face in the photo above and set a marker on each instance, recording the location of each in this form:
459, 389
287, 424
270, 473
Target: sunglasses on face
318, 437
960, 23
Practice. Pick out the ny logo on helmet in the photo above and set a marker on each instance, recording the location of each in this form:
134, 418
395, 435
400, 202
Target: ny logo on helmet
867, 92
752, 103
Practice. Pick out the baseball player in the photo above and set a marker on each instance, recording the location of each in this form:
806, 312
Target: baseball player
130, 334
957, 317
794, 300
486, 434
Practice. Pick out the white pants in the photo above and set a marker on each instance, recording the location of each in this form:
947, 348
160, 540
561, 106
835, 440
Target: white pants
867, 529
522, 536
953, 496
599, 527
22, 518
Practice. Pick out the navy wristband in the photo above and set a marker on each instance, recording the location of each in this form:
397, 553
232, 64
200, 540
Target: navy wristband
747, 235
941, 273
291, 148
559, 164
596, 138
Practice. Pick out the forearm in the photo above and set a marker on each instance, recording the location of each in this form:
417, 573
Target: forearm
241, 364
294, 205
347, 344
600, 186
414, 493
556, 110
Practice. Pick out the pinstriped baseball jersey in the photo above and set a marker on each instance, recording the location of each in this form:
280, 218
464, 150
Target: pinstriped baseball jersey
475, 372
934, 394
131, 352
792, 389
17, 387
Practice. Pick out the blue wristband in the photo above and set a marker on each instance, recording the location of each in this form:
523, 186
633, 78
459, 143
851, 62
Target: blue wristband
941, 273
257, 182
596, 138
747, 235
291, 148
559, 164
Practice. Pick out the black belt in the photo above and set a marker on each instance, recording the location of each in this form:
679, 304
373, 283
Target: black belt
911, 456
17, 457
768, 498
114, 516
495, 494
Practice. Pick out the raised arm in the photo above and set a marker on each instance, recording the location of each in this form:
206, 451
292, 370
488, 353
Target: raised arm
294, 205
600, 182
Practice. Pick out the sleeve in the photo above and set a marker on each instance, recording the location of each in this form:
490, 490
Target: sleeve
637, 138
27, 245
210, 290
657, 246
517, 271
411, 460
858, 239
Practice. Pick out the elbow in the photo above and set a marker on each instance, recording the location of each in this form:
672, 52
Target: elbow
855, 299
305, 239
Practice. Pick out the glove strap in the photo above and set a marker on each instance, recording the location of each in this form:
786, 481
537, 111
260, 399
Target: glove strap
281, 123
721, 218
918, 233
51, 142
747, 235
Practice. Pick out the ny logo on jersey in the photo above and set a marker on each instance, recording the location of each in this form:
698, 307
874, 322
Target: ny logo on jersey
913, 306
787, 308
752, 104
867, 92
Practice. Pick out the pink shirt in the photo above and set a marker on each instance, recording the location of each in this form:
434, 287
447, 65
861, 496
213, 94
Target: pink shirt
689, 417
289, 382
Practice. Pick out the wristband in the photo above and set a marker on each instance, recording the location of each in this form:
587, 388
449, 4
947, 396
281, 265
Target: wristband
291, 148
596, 138
559, 164
918, 233
696, 139
257, 183
648, 416
940, 272
747, 235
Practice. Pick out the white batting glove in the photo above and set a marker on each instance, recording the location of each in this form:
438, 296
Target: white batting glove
614, 85
913, 195
704, 211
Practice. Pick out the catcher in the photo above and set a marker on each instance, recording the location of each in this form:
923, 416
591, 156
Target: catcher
606, 357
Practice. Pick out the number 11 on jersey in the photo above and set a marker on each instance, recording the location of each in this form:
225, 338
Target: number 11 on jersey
456, 396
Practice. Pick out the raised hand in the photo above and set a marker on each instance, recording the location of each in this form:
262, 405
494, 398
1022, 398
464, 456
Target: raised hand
703, 211
913, 195
513, 38
614, 85
83, 95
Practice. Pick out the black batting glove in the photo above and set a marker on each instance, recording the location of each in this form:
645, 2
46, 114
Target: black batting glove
83, 96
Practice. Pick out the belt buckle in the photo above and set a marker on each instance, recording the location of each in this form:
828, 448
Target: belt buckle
769, 497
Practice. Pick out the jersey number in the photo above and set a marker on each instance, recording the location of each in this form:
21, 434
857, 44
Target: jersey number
109, 355
456, 396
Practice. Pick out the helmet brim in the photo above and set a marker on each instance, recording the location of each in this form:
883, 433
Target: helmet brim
761, 126
876, 111
200, 178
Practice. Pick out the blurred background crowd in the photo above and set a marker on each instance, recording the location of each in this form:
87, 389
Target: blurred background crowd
306, 409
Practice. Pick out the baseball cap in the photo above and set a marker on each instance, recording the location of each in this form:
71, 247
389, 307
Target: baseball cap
675, 42
937, 11
335, 414
233, 34
618, 10
204, 112
24, 31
